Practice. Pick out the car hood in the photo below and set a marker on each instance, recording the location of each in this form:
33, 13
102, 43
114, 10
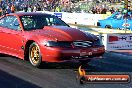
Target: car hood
62, 33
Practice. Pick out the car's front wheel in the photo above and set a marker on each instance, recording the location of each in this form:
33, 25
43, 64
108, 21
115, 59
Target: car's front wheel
35, 57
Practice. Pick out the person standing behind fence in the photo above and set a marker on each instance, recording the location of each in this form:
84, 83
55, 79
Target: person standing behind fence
12, 8
25, 8
29, 8
58, 9
3, 9
34, 8
0, 11
8, 9
39, 8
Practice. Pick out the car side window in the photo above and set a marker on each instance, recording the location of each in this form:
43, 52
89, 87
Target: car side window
7, 21
29, 22
15, 24
118, 16
10, 22
52, 21
3, 22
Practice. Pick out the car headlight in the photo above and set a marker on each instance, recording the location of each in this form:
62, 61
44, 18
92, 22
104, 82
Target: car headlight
64, 44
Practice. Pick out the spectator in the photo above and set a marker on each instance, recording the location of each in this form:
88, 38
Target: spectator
25, 8
12, 8
58, 9
0, 11
103, 11
39, 8
29, 9
34, 8
112, 10
93, 10
8, 9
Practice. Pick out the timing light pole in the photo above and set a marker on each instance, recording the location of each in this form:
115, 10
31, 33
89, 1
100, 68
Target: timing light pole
126, 7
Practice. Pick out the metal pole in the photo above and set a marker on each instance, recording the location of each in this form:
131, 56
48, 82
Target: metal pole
125, 24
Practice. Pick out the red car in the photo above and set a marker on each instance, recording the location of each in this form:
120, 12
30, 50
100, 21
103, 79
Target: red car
40, 37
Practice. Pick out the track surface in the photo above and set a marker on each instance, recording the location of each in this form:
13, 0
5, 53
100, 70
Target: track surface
16, 73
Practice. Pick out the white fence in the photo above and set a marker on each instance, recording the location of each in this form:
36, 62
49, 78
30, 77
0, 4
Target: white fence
79, 18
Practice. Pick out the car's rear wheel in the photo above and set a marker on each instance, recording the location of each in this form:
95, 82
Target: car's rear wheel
119, 28
108, 26
35, 57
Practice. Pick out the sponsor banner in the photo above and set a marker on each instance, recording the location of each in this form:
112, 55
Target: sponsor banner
117, 41
59, 15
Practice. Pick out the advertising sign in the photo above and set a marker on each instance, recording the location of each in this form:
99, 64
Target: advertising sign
117, 41
59, 15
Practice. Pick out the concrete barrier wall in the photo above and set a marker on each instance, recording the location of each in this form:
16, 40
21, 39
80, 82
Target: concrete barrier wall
79, 18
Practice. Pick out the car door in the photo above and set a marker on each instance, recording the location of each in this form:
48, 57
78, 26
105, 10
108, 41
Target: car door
11, 35
2, 27
118, 21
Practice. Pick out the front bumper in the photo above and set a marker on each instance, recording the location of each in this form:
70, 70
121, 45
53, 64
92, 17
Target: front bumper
50, 54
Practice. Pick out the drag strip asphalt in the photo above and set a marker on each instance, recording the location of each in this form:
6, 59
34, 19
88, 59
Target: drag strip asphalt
16, 73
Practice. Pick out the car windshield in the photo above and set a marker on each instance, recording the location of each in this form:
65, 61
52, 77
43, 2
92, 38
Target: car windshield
118, 16
33, 22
